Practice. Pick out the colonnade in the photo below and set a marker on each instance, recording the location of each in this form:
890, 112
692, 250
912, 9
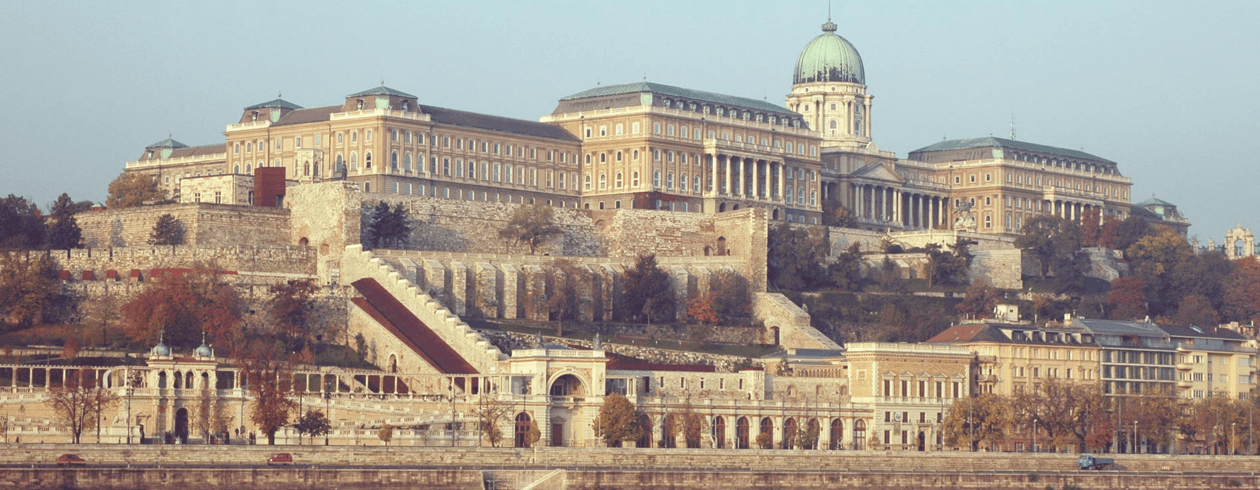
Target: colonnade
759, 179
910, 210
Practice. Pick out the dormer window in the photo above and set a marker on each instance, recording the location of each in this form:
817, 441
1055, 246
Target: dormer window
405, 106
255, 116
360, 105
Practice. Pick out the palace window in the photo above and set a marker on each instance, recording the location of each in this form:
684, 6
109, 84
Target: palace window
634, 179
603, 181
618, 181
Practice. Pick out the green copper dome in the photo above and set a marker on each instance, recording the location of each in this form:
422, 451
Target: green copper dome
829, 58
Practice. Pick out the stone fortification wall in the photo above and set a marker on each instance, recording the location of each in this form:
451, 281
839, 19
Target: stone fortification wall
516, 286
1001, 268
326, 217
205, 225
722, 363
357, 264
789, 323
252, 265
873, 241
473, 226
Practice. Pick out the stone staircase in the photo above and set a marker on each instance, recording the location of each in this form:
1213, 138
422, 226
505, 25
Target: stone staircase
359, 264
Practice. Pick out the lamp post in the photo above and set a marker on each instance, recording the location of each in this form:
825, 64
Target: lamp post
327, 414
1133, 449
1034, 448
1232, 435
131, 390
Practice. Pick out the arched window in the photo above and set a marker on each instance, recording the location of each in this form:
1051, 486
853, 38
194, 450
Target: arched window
619, 155
656, 178
587, 182
523, 426
248, 169
603, 157
859, 434
236, 169
695, 184
669, 180
393, 160
682, 182
634, 178
767, 427
837, 435
354, 160
367, 187
341, 164
741, 433
367, 158
407, 162
617, 182
603, 181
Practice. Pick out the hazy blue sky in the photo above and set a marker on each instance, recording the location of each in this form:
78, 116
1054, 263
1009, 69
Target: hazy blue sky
1164, 88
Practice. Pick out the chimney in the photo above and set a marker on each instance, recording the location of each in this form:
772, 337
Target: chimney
1067, 318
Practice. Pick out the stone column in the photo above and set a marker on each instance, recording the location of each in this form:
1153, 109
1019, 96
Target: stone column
726, 183
743, 188
781, 180
712, 188
756, 179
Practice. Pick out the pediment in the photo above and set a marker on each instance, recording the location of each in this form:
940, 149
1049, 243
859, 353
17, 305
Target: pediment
879, 171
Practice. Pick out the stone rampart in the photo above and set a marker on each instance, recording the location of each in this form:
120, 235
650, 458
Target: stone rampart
788, 323
1001, 268
205, 225
117, 264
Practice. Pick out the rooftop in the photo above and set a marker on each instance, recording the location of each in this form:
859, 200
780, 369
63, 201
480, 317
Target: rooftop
281, 103
963, 144
686, 93
382, 90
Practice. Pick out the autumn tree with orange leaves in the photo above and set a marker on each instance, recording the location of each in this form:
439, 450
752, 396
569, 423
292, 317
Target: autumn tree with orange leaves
183, 306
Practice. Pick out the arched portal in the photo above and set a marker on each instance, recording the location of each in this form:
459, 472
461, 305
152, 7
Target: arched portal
181, 425
813, 430
741, 433
567, 385
645, 431
790, 431
837, 435
719, 432
521, 433
767, 428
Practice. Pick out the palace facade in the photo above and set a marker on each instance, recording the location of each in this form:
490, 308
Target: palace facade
654, 146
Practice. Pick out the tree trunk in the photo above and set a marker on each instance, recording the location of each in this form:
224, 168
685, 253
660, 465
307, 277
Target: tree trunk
271, 438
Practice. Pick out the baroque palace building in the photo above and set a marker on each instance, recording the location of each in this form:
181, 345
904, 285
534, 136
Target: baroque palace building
653, 146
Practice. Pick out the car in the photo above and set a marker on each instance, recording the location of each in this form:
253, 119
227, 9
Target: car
280, 458
70, 460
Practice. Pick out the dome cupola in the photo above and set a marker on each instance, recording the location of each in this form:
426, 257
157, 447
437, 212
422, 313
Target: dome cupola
203, 351
829, 58
160, 350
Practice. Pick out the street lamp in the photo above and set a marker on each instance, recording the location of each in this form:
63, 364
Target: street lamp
1133, 450
1232, 435
131, 390
327, 413
1034, 448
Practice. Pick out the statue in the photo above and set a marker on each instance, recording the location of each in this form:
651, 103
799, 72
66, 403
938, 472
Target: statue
965, 220
596, 344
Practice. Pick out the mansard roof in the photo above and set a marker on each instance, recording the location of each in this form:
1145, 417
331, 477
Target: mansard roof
167, 143
487, 122
686, 93
963, 144
1154, 201
302, 116
382, 90
281, 103
184, 151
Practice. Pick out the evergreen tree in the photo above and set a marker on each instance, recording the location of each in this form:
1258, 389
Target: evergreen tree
167, 231
64, 232
21, 224
647, 291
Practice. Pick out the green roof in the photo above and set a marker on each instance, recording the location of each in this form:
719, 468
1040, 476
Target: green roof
829, 58
281, 103
382, 90
1153, 201
686, 93
167, 143
990, 141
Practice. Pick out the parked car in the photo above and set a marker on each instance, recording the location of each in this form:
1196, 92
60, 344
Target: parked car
280, 458
70, 460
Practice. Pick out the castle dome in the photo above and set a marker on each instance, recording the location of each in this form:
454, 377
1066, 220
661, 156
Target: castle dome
829, 58
160, 350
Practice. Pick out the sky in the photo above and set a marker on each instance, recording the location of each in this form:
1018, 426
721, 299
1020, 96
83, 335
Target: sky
1166, 89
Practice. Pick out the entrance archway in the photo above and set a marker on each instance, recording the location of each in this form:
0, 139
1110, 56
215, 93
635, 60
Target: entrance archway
521, 434
567, 385
181, 425
741, 433
645, 430
837, 435
789, 434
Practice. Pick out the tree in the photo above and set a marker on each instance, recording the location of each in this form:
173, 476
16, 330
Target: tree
834, 213
531, 225
386, 227
1127, 298
291, 311
1091, 228
184, 306
846, 271
267, 372
79, 402
28, 288
493, 414
646, 291
313, 423
948, 268
534, 435
1127, 233
1153, 258
728, 300
1056, 243
977, 421
1063, 411
132, 189
21, 224
1196, 310
386, 434
980, 300
618, 421
795, 258
565, 300
64, 232
1242, 291
167, 231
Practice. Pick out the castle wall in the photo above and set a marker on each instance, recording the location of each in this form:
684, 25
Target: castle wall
205, 225
261, 263
327, 218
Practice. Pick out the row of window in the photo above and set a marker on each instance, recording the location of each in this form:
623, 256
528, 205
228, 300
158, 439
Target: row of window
686, 132
923, 387
407, 137
1054, 372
